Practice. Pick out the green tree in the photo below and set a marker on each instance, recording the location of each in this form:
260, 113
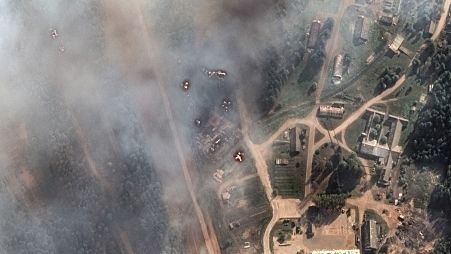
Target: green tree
376, 119
372, 133
443, 246
383, 140
330, 201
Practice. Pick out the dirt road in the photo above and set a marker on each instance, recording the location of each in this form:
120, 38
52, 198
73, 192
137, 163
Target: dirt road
359, 112
367, 202
230, 182
332, 48
132, 13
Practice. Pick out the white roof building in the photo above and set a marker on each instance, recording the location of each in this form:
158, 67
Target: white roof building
330, 110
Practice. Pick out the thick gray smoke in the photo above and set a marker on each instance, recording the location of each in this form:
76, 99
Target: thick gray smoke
88, 162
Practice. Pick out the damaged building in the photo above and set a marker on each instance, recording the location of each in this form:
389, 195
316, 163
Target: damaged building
216, 134
388, 20
295, 142
313, 34
370, 235
334, 110
385, 178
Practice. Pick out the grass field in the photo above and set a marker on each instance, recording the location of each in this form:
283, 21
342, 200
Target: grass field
264, 128
366, 85
295, 93
323, 6
400, 102
331, 123
318, 136
353, 133
247, 205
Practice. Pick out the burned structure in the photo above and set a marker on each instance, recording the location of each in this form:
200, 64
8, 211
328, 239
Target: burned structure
370, 235
313, 34
385, 178
216, 134
395, 45
362, 29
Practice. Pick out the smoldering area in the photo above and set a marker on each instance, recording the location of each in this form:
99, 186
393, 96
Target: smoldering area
88, 163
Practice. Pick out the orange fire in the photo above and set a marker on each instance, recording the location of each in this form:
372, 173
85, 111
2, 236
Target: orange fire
185, 85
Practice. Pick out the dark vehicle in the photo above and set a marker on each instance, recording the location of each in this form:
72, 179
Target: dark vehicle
309, 230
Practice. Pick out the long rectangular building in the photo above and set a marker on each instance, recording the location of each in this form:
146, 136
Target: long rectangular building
337, 74
295, 142
313, 34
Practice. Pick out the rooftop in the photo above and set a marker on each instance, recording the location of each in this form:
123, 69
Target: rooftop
370, 235
396, 137
431, 27
396, 43
314, 33
338, 67
331, 110
362, 28
295, 142
387, 171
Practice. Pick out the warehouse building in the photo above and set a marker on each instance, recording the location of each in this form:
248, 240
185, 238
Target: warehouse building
370, 235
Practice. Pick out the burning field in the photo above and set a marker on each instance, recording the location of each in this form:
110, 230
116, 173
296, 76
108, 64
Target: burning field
98, 150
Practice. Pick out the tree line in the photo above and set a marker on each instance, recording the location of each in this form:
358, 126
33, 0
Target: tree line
432, 135
345, 177
430, 140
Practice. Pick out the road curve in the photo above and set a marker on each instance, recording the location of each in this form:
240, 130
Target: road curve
442, 22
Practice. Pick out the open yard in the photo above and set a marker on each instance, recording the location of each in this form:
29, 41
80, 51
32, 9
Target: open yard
353, 133
331, 123
262, 129
410, 96
336, 234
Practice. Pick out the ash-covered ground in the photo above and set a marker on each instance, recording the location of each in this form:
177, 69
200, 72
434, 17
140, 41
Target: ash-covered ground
95, 128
